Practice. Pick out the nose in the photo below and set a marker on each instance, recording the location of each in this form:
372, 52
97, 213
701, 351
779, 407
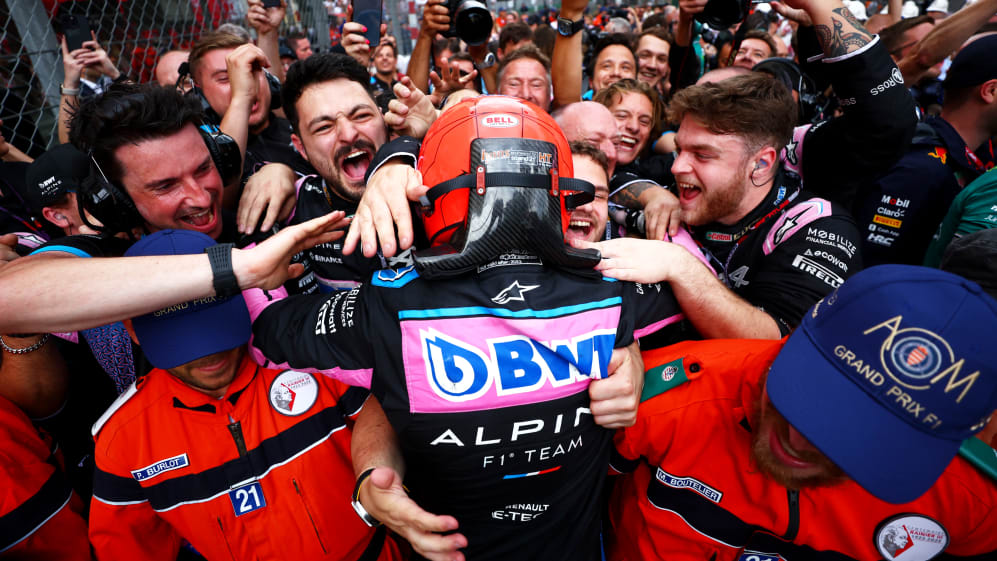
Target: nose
347, 131
681, 164
195, 194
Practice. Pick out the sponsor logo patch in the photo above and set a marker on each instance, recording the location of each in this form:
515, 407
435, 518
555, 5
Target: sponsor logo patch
513, 293
688, 483
293, 393
910, 537
891, 222
160, 467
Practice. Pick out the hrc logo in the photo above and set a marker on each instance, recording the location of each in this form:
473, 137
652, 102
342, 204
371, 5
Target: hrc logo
460, 372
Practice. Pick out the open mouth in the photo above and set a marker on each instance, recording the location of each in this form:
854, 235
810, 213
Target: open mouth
355, 164
628, 142
688, 192
579, 229
785, 453
202, 220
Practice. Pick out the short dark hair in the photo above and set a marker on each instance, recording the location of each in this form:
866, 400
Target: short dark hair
293, 38
128, 114
316, 69
766, 38
624, 39
656, 31
753, 106
892, 36
654, 20
589, 150
514, 33
544, 38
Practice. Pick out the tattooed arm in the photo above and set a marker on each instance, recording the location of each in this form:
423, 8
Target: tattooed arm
837, 29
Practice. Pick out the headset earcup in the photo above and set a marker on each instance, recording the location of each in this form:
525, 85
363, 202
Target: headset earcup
106, 202
225, 153
209, 114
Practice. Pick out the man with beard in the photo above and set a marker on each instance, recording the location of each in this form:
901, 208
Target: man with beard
829, 445
337, 128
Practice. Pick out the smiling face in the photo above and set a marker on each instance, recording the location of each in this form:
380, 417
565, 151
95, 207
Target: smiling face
652, 59
212, 78
170, 191
634, 116
787, 456
385, 59
526, 78
712, 175
592, 122
588, 222
211, 374
613, 64
340, 129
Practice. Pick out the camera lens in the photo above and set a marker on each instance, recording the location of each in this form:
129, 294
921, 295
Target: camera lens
474, 22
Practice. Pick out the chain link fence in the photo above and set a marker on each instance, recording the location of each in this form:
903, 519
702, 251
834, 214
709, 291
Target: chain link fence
134, 33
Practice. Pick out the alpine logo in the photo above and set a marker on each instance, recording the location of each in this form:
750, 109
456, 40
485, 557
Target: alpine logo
513, 293
499, 121
160, 467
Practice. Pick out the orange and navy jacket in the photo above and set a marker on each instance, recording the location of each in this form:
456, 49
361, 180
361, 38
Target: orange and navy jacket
262, 473
40, 516
695, 493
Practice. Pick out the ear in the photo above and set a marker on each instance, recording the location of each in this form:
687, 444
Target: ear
988, 91
299, 146
131, 330
55, 216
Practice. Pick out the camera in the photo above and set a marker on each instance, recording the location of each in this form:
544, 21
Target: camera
470, 20
721, 14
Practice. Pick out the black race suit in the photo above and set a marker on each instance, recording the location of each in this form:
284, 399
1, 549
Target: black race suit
484, 378
786, 254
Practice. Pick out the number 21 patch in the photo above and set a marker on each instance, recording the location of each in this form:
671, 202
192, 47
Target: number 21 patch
247, 498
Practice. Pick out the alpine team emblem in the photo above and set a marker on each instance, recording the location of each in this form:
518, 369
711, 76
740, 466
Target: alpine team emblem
910, 537
293, 393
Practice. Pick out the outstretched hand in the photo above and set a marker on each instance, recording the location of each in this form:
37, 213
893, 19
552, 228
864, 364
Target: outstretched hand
268, 265
383, 496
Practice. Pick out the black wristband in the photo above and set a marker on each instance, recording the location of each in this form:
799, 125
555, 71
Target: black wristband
223, 277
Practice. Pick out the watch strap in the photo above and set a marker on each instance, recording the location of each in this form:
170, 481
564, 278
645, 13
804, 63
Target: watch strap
573, 27
357, 507
223, 277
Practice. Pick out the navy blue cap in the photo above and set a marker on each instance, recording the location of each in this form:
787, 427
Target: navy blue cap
889, 374
185, 332
974, 64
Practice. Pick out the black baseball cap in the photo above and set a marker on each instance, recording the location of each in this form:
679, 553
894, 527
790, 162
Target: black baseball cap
58, 171
974, 64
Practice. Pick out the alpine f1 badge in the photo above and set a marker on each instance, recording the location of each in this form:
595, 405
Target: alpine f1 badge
292, 393
910, 537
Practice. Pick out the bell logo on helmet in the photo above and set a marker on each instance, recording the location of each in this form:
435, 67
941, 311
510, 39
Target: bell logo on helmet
500, 121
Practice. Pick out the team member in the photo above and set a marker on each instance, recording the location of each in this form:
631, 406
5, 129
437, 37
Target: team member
525, 73
52, 183
904, 350
653, 47
481, 352
238, 460
338, 128
230, 78
902, 209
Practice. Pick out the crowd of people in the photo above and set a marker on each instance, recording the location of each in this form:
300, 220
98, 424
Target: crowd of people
671, 281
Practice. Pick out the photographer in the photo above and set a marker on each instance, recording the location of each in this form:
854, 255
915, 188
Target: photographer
88, 71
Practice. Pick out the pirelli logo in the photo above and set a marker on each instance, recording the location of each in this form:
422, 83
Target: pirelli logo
689, 483
886, 221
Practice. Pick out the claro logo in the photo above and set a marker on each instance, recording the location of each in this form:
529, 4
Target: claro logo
895, 79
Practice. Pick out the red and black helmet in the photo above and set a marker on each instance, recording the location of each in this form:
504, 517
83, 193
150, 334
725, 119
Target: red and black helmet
501, 176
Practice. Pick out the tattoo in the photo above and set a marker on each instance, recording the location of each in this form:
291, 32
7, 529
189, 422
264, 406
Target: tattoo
629, 196
848, 34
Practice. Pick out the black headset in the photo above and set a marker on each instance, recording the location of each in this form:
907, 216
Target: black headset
210, 115
111, 205
790, 74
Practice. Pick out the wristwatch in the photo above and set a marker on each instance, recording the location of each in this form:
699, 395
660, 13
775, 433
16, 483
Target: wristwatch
357, 507
487, 63
567, 28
